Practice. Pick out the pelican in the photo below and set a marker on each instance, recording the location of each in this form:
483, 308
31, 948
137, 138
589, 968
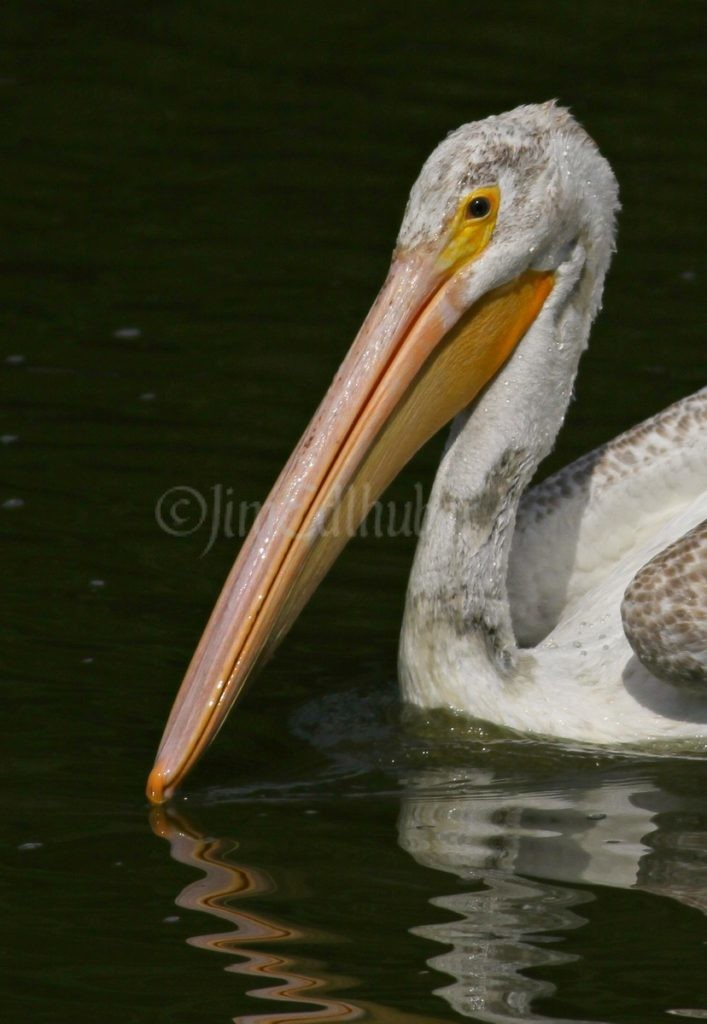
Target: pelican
576, 610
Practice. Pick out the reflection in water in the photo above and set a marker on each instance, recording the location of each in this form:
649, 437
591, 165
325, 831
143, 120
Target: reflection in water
612, 835
219, 892
224, 882
499, 934
525, 856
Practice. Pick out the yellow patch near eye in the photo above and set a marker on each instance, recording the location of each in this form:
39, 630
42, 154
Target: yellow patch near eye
471, 227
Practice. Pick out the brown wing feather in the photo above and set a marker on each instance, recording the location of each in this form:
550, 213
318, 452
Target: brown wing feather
664, 612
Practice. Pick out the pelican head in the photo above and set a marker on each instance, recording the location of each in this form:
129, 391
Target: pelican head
508, 232
548, 185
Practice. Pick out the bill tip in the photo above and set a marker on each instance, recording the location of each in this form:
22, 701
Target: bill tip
157, 789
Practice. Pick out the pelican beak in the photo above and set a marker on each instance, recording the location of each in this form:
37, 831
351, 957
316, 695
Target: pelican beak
420, 357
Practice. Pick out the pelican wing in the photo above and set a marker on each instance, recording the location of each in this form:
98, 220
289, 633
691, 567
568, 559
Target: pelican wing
664, 612
622, 502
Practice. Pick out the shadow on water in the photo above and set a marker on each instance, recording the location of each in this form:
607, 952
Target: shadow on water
525, 849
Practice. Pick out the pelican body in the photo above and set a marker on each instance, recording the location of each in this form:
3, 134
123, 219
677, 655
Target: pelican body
577, 609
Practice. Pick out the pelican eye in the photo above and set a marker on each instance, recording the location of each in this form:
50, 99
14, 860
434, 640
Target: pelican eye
478, 208
472, 225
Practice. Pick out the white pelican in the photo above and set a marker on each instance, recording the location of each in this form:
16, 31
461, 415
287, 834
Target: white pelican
515, 603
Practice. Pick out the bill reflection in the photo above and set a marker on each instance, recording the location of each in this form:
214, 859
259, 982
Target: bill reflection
302, 989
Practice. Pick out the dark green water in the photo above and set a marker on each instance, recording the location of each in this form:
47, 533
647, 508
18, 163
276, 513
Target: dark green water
199, 204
